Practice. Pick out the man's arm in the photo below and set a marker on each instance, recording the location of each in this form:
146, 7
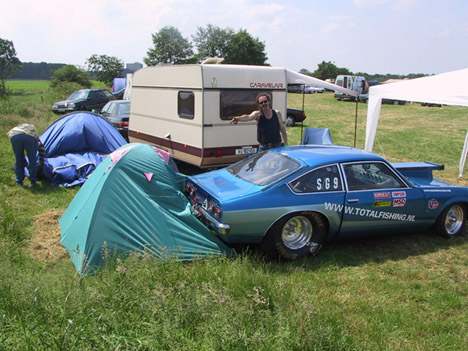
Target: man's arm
245, 118
282, 128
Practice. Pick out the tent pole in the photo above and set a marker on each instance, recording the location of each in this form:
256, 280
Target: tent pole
355, 121
303, 99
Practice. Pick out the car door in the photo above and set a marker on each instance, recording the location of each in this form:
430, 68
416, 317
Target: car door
321, 190
101, 100
378, 201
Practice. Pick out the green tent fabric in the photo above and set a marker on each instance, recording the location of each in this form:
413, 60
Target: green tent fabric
134, 201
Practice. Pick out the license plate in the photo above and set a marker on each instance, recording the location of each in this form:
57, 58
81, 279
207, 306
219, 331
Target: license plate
61, 110
246, 151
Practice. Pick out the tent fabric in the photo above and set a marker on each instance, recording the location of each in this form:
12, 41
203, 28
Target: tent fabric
299, 78
446, 89
75, 145
118, 84
320, 136
134, 202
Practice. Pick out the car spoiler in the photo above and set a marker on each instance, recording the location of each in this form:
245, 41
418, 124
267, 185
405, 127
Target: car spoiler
418, 169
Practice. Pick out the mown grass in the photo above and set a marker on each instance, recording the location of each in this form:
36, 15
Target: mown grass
401, 292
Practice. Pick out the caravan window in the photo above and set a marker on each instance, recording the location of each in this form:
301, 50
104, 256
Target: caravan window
238, 102
186, 104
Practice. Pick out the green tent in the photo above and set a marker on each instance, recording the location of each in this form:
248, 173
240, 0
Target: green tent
134, 201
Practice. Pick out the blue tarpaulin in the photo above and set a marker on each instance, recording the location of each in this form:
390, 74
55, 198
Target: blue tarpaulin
75, 145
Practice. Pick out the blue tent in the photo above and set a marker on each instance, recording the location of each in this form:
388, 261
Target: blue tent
75, 145
118, 84
134, 202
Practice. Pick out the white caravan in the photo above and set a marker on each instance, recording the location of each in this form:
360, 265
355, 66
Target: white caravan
187, 109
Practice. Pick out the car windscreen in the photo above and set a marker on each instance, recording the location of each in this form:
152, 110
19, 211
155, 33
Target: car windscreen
109, 109
78, 95
263, 169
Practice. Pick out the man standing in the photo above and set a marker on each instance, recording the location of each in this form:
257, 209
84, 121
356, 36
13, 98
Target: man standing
24, 138
270, 126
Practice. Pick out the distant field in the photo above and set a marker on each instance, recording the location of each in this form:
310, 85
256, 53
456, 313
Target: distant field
27, 85
404, 292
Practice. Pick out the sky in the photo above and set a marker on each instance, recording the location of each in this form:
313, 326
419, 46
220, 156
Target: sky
371, 36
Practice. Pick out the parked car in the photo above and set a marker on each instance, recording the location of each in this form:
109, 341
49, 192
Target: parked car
294, 115
117, 112
309, 89
292, 199
393, 102
296, 88
84, 100
119, 95
428, 104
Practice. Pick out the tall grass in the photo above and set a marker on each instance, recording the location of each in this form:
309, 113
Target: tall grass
402, 292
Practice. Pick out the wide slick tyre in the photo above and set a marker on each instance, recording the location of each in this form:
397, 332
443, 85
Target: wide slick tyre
452, 221
296, 235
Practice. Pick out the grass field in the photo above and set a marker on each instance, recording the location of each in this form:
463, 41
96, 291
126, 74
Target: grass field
402, 292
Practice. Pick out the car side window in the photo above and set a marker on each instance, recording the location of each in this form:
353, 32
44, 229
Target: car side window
322, 179
369, 176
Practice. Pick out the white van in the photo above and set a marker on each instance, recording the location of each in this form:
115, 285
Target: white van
187, 109
358, 84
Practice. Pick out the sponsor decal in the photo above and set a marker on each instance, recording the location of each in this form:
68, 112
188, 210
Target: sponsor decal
433, 204
220, 182
267, 85
381, 203
382, 195
399, 202
437, 190
364, 212
399, 194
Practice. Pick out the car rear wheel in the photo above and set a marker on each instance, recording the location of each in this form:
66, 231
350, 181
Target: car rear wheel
452, 221
290, 121
295, 236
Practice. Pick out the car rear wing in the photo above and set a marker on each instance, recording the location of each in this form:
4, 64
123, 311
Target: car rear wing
422, 170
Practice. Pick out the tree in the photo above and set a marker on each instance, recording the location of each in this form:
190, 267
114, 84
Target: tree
169, 47
328, 70
244, 49
212, 41
70, 74
305, 71
9, 64
105, 67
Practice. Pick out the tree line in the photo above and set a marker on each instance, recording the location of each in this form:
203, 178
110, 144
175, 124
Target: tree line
169, 47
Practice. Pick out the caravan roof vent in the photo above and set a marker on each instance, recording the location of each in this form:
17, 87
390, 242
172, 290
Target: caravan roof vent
213, 60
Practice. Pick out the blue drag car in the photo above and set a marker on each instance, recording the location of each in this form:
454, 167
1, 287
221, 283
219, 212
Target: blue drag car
293, 199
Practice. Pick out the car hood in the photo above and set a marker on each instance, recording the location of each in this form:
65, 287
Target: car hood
224, 186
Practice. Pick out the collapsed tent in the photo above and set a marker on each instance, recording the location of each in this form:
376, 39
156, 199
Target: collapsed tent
446, 88
134, 202
75, 145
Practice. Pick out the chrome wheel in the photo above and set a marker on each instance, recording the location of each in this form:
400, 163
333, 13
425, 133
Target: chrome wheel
454, 220
296, 232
